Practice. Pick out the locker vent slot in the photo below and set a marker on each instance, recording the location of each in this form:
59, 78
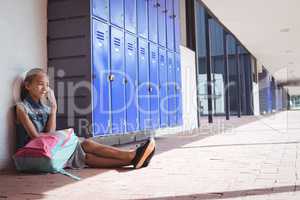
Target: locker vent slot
142, 50
100, 35
153, 55
130, 46
117, 42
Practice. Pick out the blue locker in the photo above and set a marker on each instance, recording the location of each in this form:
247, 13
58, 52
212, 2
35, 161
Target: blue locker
171, 89
162, 22
163, 88
178, 90
143, 99
101, 85
177, 24
170, 24
101, 8
131, 83
117, 12
142, 18
130, 15
270, 96
153, 20
118, 108
154, 86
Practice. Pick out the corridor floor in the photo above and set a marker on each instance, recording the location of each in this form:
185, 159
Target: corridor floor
247, 158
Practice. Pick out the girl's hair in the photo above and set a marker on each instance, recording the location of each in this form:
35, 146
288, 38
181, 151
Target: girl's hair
30, 75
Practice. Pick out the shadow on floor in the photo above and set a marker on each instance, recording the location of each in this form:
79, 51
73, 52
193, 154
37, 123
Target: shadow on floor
32, 186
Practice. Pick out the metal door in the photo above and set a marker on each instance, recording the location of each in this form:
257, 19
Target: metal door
117, 12
101, 8
130, 15
170, 24
154, 86
162, 22
163, 88
143, 99
177, 24
171, 89
152, 5
142, 18
132, 120
117, 79
178, 90
101, 85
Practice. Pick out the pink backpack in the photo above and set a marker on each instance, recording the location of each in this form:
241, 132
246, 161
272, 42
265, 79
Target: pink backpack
47, 153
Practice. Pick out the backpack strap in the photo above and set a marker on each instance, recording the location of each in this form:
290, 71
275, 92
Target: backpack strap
62, 171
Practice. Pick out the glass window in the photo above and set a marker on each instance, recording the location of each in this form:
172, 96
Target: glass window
245, 69
232, 86
217, 67
201, 60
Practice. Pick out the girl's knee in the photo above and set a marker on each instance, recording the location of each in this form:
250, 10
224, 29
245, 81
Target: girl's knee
87, 145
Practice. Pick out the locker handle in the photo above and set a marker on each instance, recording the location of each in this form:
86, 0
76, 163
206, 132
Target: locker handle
150, 89
157, 5
165, 11
125, 81
111, 77
173, 16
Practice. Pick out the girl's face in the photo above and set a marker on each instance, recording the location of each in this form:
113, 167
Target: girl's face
39, 86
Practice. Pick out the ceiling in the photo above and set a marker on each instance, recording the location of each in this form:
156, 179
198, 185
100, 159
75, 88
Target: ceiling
269, 29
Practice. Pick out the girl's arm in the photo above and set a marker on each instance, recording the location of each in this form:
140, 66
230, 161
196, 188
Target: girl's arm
51, 123
24, 119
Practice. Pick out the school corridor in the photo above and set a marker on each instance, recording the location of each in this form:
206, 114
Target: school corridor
247, 158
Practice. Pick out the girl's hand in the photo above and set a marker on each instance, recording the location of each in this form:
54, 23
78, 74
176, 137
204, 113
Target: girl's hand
52, 100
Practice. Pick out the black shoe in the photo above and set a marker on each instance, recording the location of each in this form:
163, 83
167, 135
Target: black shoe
147, 161
143, 153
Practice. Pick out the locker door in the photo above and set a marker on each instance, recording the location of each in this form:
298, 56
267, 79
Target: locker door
153, 20
177, 24
144, 104
117, 12
142, 18
131, 83
170, 24
269, 97
162, 22
101, 85
130, 15
117, 80
178, 90
171, 89
101, 9
154, 89
163, 88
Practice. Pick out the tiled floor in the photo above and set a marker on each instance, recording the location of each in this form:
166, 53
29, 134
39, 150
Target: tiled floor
248, 158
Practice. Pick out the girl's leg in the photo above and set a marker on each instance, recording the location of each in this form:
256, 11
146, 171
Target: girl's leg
100, 150
99, 162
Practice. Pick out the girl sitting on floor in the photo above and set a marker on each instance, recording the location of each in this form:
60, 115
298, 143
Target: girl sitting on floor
34, 118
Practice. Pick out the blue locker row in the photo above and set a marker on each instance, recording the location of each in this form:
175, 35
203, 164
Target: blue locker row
156, 20
136, 83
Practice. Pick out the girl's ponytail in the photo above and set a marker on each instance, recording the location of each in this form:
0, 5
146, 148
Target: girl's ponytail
23, 91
